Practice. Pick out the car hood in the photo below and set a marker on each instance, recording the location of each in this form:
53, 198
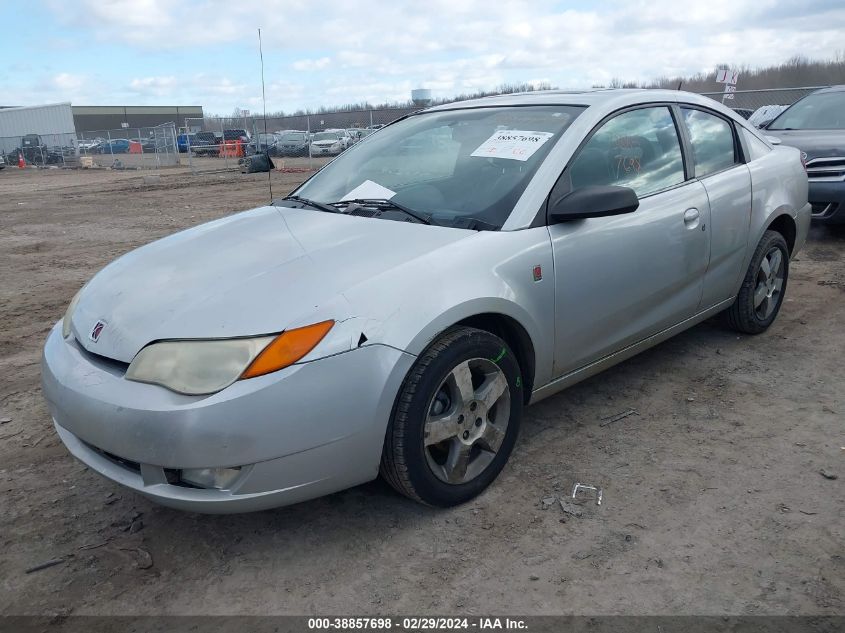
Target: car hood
256, 272
816, 143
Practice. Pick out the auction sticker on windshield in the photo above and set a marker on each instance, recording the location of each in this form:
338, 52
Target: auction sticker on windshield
369, 189
512, 144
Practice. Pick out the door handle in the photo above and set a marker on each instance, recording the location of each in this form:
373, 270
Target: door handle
691, 216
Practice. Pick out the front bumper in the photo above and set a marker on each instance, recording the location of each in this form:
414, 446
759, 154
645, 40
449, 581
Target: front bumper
305, 431
828, 200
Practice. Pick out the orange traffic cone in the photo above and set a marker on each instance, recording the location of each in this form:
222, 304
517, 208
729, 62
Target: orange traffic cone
21, 161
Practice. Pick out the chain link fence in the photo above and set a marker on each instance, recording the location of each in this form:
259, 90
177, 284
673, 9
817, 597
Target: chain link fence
216, 144
129, 148
749, 101
125, 148
40, 150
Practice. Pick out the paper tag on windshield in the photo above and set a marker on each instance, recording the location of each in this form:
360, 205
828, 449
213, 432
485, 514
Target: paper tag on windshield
512, 144
369, 190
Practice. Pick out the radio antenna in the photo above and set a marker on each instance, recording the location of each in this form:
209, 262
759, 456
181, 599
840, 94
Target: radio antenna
264, 100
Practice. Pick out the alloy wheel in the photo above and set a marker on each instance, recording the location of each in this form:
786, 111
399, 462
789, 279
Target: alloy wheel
769, 284
467, 420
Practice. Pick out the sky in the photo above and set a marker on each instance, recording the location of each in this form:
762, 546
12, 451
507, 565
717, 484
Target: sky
323, 53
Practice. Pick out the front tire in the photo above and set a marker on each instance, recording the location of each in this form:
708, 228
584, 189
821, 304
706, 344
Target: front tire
456, 419
761, 295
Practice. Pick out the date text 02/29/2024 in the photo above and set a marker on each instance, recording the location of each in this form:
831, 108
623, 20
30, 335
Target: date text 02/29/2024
415, 624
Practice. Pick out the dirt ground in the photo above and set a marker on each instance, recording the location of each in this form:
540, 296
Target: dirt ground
714, 502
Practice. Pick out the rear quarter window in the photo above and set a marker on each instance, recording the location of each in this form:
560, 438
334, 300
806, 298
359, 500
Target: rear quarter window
756, 148
712, 142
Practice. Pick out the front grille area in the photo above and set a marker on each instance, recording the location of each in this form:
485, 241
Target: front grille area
172, 475
830, 169
128, 464
110, 365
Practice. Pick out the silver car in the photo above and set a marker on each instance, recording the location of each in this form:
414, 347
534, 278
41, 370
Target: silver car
327, 143
397, 312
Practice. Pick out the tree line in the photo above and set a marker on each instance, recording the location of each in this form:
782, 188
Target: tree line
795, 72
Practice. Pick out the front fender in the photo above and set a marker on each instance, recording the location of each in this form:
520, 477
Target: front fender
408, 307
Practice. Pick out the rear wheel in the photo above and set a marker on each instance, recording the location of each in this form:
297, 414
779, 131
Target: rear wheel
761, 295
456, 419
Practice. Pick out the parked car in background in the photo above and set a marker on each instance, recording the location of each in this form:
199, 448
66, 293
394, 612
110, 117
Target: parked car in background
343, 136
113, 146
376, 126
263, 142
36, 152
816, 126
764, 115
292, 144
2, 162
86, 145
184, 141
150, 145
236, 135
327, 143
205, 144
397, 312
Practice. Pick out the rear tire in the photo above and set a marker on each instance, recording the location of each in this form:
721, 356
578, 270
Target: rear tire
761, 294
456, 419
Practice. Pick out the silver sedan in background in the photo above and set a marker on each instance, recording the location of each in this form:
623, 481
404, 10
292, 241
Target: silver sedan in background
396, 312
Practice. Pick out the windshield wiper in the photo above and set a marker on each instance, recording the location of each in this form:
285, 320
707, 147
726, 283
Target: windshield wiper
312, 203
473, 224
384, 203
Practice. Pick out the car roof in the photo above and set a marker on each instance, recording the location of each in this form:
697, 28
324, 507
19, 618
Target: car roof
838, 88
608, 98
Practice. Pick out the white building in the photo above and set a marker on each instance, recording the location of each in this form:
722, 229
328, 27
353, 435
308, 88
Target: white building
53, 123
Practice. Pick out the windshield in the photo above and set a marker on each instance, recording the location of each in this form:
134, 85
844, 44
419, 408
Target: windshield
293, 137
325, 136
456, 166
820, 111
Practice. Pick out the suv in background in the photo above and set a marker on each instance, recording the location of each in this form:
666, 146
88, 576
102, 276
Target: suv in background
292, 144
236, 135
816, 126
205, 144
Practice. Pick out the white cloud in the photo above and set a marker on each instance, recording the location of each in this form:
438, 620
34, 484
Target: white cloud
336, 51
304, 65
157, 86
67, 82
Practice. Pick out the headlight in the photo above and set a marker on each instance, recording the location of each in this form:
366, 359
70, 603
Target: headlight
206, 366
66, 320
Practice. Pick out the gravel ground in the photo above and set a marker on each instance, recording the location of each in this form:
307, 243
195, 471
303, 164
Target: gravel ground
714, 501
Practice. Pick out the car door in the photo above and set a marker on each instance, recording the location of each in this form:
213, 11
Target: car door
717, 163
622, 278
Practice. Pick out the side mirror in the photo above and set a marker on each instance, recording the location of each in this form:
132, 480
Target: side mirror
593, 202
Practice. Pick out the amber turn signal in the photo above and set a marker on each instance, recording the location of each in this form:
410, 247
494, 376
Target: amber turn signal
287, 348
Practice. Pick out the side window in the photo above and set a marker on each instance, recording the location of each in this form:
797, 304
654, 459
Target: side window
638, 149
712, 142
